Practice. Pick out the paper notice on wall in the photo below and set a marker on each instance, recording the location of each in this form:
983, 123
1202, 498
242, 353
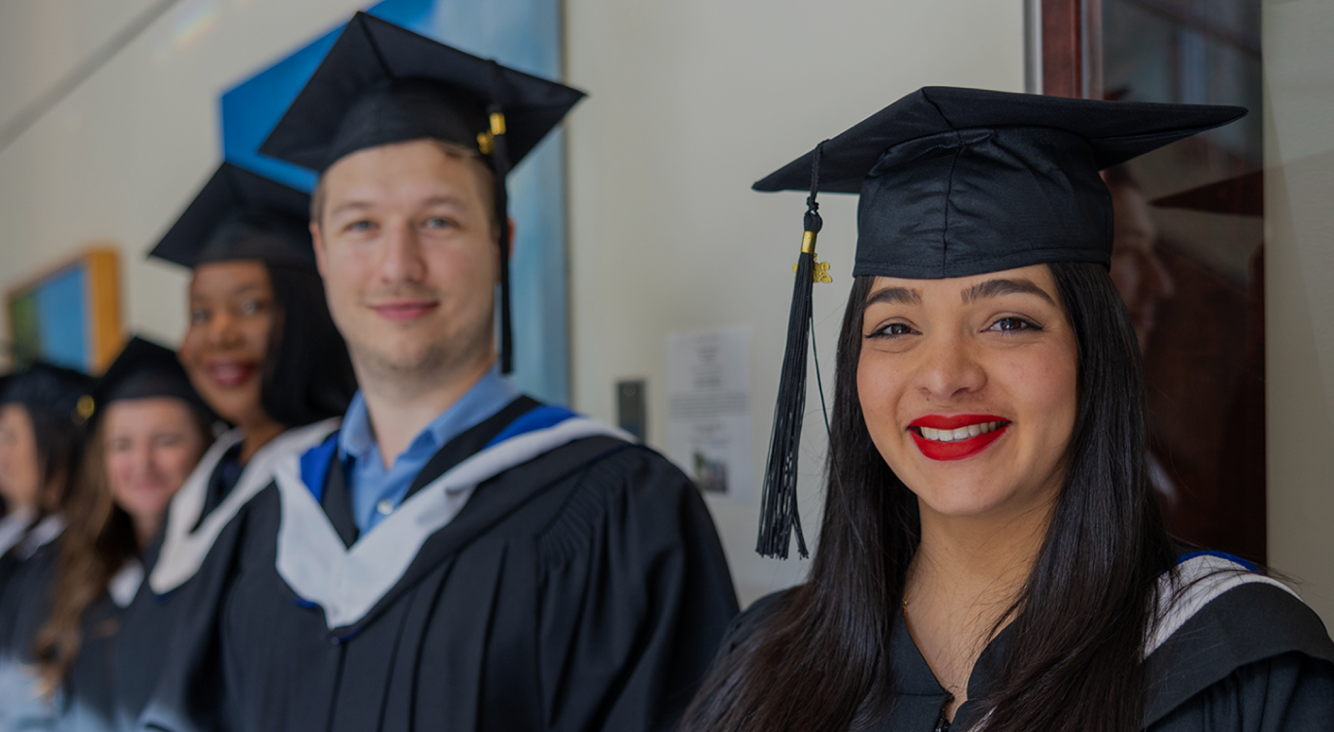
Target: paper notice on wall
708, 409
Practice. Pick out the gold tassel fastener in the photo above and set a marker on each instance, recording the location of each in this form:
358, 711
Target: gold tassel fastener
820, 273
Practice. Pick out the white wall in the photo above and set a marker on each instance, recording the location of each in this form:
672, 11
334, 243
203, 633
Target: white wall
1299, 292
692, 101
120, 156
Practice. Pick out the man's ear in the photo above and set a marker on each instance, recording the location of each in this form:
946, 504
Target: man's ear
317, 241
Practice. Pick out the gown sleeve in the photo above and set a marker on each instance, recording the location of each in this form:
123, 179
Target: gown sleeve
636, 596
1292, 691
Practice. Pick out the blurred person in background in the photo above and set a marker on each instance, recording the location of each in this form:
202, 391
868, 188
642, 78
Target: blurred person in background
149, 429
41, 442
262, 352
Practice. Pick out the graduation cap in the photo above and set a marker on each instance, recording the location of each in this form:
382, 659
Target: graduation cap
50, 389
381, 84
1243, 195
241, 215
143, 370
957, 182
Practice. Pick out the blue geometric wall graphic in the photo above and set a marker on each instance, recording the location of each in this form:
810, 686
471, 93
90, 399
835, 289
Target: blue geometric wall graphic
524, 34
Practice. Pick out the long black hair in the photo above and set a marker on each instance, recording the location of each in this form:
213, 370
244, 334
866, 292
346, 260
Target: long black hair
308, 376
821, 661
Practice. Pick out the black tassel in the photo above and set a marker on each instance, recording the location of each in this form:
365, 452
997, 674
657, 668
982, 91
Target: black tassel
500, 159
779, 515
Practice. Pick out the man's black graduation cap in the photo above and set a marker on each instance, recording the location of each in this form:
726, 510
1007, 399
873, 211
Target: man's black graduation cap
143, 370
241, 215
381, 84
49, 389
957, 182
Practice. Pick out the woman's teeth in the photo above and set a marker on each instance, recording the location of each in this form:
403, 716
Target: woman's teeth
963, 433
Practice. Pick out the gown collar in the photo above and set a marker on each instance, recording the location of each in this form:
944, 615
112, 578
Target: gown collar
347, 582
184, 547
13, 527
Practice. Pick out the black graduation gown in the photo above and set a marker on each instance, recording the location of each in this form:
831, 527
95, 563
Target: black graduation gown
151, 624
583, 589
144, 630
25, 603
86, 701
1253, 659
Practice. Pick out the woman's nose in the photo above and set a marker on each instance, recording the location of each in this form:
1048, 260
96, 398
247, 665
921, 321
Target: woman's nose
948, 368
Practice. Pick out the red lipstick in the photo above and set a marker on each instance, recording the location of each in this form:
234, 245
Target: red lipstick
956, 449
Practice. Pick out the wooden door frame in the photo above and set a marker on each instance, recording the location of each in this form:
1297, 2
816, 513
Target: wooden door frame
1070, 47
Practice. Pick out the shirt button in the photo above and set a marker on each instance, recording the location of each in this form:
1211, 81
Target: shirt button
385, 507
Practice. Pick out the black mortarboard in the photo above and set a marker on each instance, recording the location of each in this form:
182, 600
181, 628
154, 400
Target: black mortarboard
54, 390
958, 182
241, 215
382, 84
143, 370
1243, 195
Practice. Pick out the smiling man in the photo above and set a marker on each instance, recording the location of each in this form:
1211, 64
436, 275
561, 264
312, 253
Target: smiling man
458, 556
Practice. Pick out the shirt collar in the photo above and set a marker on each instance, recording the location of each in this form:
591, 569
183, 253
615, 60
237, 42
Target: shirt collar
491, 393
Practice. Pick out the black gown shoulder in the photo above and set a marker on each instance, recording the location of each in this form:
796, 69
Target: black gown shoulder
1254, 658
1242, 655
584, 589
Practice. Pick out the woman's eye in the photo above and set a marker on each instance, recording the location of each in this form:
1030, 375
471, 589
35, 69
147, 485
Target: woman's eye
1013, 324
250, 307
167, 440
198, 317
894, 330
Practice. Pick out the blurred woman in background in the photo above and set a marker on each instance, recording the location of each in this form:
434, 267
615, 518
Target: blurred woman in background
149, 429
40, 446
262, 352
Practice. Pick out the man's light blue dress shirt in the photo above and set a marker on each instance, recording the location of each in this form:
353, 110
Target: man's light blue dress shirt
375, 491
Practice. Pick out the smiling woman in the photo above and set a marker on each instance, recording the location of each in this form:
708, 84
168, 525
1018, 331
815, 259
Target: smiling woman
148, 430
965, 364
992, 557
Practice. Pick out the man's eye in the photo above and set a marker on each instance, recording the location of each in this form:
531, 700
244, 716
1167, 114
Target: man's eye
198, 317
439, 222
359, 227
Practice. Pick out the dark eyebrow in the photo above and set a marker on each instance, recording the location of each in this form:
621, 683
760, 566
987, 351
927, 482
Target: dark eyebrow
996, 288
895, 295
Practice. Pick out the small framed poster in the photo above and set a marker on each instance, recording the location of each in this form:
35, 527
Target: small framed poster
69, 315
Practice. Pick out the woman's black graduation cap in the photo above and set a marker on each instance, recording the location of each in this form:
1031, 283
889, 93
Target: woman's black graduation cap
382, 84
241, 215
47, 388
957, 182
143, 370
